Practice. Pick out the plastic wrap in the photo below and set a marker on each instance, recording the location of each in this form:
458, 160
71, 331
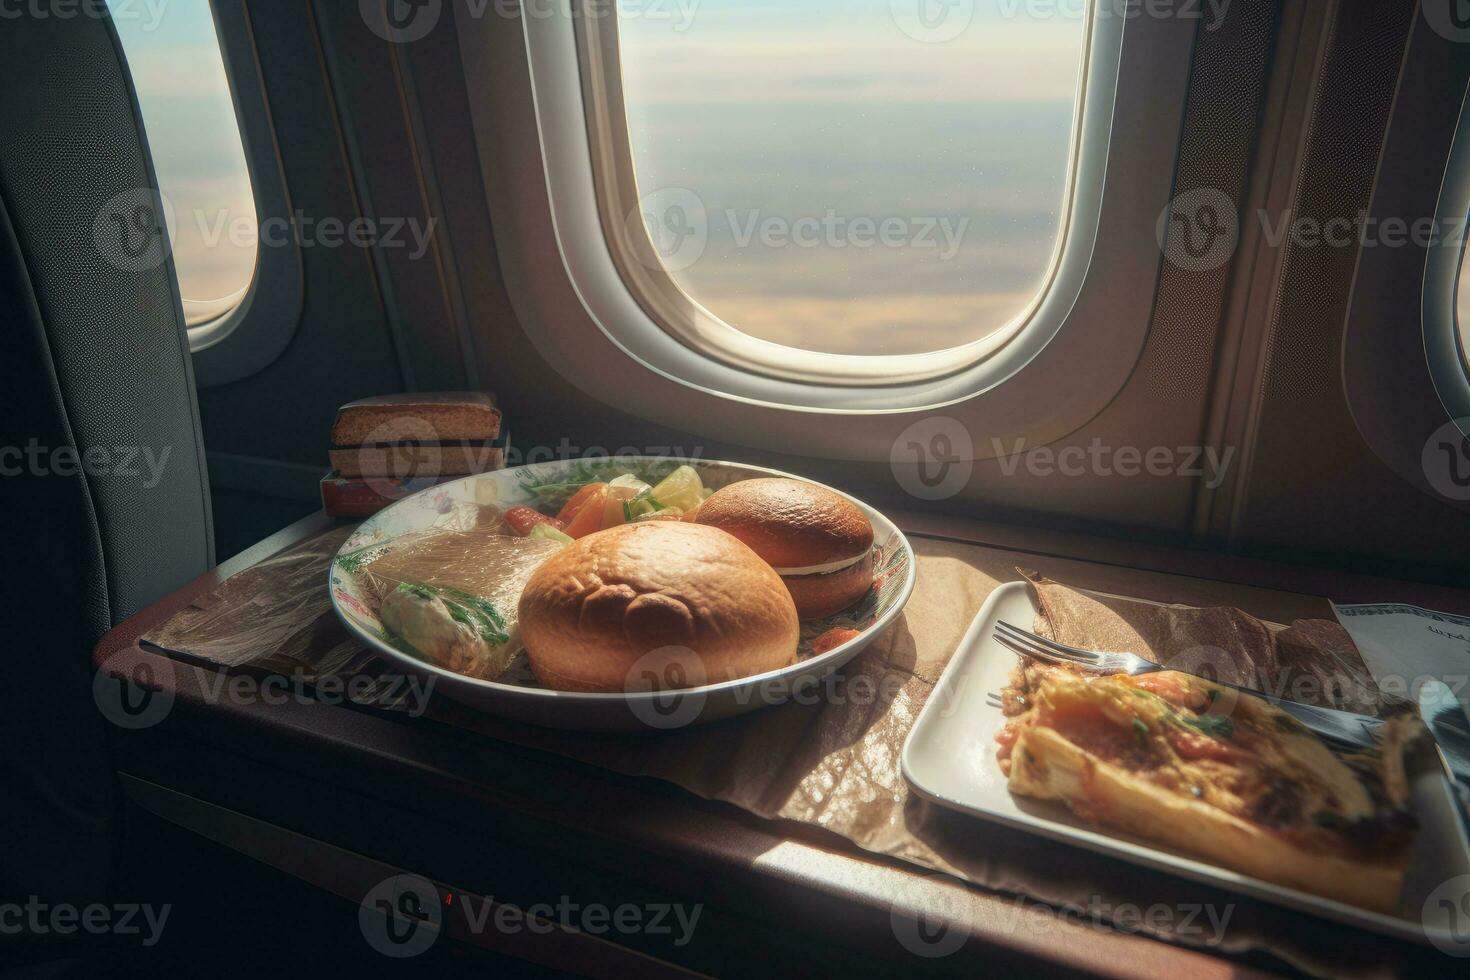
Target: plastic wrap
450, 596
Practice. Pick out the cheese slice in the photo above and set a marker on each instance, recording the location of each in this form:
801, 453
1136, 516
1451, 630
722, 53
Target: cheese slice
831, 566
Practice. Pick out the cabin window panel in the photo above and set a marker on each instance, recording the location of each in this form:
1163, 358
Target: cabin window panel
1462, 304
178, 70
864, 177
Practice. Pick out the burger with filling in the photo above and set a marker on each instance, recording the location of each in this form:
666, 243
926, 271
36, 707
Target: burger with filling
818, 541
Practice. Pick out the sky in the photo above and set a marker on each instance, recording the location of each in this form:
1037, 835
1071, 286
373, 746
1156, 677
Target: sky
189, 116
782, 111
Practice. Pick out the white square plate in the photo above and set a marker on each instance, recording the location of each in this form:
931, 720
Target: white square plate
949, 758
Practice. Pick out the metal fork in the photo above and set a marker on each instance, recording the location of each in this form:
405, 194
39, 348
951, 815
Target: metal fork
1342, 727
1097, 661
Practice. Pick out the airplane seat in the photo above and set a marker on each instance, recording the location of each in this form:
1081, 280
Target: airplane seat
104, 502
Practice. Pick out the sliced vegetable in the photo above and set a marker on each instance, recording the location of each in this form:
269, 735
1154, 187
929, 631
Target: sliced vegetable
629, 481
620, 494
612, 511
554, 485
833, 638
644, 505
681, 488
550, 532
571, 507
588, 517
523, 520
1191, 745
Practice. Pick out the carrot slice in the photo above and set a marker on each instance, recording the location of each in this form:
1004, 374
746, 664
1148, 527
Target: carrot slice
572, 506
523, 519
588, 517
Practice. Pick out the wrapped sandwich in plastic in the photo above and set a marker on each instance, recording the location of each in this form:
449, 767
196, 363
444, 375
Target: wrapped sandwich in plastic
451, 595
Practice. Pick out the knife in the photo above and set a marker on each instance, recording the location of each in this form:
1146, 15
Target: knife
1344, 727
1447, 722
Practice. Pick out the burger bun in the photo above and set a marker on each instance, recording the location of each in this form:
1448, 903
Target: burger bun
820, 542
658, 604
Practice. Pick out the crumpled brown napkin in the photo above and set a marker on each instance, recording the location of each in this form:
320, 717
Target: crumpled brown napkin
834, 763
1313, 660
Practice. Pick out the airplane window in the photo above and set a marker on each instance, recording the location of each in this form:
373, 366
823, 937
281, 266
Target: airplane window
871, 177
178, 70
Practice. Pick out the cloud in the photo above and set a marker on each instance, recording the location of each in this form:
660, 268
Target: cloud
894, 324
1006, 62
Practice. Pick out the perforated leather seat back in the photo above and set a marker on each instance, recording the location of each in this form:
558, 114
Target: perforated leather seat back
103, 492
93, 314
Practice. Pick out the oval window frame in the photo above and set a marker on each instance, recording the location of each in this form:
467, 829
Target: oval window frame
574, 308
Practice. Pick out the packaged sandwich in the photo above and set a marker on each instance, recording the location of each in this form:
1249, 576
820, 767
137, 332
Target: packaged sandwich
419, 434
451, 595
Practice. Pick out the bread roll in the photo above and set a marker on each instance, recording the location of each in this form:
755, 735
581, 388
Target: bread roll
655, 605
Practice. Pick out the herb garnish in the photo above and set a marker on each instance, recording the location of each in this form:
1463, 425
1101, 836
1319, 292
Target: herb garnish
1215, 726
476, 612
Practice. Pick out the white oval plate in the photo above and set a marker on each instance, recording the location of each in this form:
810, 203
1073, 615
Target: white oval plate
453, 505
949, 758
